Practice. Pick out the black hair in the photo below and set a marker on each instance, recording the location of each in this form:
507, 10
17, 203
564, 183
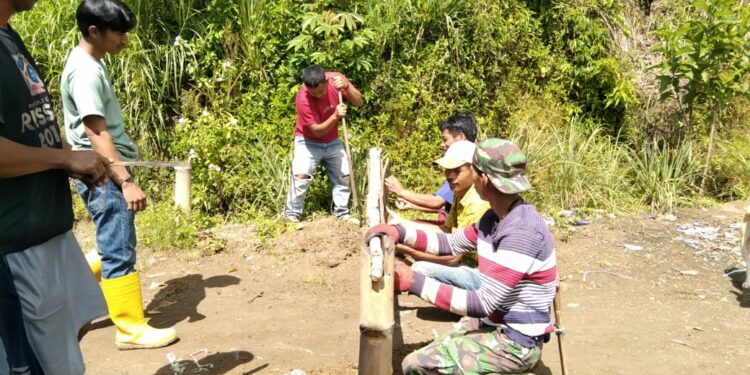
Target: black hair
479, 172
105, 15
461, 123
313, 76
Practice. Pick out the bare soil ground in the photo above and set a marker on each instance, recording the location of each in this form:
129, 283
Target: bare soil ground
664, 309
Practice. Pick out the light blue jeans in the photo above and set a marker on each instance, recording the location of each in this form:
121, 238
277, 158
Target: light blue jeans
307, 156
463, 277
115, 227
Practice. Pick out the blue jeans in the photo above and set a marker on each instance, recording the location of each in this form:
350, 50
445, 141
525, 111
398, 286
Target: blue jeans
463, 277
307, 156
115, 227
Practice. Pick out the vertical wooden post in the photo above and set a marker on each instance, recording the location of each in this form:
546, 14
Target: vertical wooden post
352, 181
182, 186
376, 284
559, 330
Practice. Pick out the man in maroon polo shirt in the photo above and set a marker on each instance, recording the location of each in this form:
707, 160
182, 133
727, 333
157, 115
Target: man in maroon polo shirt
316, 139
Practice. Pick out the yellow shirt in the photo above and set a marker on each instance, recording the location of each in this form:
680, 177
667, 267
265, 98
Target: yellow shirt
465, 212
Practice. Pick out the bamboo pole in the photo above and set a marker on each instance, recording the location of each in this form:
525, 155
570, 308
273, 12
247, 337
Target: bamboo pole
559, 330
182, 186
352, 181
376, 284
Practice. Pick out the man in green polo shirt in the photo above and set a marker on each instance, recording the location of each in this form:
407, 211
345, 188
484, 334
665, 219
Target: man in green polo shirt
93, 120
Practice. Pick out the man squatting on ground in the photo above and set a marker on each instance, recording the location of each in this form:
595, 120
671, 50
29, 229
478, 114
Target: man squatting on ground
460, 126
467, 208
508, 317
47, 293
316, 139
93, 120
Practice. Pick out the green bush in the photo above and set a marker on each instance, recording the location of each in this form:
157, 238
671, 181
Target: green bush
218, 77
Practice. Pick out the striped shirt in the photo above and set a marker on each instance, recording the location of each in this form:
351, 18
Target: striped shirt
517, 266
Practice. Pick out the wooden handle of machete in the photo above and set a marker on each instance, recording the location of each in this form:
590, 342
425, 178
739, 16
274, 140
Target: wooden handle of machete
352, 183
559, 331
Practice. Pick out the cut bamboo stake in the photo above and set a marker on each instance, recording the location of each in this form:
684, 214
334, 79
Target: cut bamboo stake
560, 331
352, 182
182, 186
376, 285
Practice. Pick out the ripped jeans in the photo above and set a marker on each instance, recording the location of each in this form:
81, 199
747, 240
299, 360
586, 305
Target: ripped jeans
307, 156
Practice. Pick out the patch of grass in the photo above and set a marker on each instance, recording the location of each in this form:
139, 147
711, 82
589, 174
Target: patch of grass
314, 283
266, 229
163, 227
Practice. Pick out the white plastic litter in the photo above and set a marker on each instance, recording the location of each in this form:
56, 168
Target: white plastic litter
566, 213
177, 367
709, 241
200, 367
633, 247
697, 230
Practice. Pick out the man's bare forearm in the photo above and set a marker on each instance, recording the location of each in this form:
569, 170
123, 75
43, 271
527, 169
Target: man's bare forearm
446, 260
424, 200
20, 160
354, 96
324, 127
102, 143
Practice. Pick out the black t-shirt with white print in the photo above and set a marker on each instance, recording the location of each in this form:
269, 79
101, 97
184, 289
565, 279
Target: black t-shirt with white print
34, 208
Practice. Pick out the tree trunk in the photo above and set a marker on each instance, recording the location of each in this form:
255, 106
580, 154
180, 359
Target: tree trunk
714, 121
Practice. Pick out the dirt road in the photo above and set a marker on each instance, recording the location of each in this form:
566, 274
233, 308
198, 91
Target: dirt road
660, 305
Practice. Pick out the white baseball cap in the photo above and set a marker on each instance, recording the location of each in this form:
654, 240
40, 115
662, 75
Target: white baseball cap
458, 154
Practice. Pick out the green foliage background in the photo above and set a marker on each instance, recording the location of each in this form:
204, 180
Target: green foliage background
219, 76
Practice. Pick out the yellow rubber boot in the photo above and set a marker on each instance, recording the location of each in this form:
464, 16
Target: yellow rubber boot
123, 295
95, 263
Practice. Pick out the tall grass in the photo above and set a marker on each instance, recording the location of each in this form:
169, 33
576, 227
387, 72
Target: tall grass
272, 182
664, 176
252, 20
575, 166
150, 79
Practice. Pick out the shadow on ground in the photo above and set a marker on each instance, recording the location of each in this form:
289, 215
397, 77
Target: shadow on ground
217, 363
738, 277
180, 298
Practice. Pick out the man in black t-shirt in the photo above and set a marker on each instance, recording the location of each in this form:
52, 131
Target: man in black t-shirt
47, 293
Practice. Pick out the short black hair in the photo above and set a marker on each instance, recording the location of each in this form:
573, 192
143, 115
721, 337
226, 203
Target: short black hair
105, 15
477, 169
313, 76
461, 123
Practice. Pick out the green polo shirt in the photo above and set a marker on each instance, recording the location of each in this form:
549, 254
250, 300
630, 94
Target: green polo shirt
86, 90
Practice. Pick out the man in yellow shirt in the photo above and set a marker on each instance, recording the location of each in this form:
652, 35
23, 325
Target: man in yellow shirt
467, 208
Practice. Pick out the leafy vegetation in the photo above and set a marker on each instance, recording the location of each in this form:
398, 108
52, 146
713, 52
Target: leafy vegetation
163, 227
706, 62
217, 78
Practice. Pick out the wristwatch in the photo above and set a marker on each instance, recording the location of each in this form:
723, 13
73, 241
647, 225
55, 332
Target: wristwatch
127, 180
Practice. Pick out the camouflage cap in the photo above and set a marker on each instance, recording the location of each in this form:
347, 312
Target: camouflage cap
504, 163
